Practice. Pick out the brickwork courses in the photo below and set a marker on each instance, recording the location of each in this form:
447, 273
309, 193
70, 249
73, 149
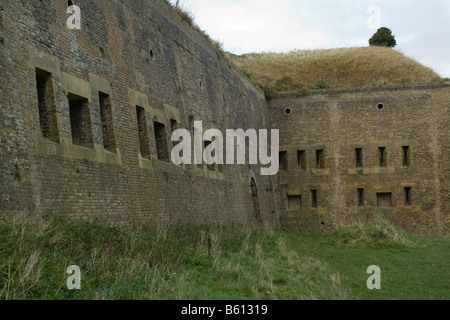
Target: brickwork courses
72, 141
365, 154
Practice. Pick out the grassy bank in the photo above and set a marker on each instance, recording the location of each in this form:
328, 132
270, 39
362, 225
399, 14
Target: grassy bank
345, 68
234, 262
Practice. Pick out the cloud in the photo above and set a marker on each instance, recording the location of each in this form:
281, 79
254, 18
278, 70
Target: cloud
258, 25
422, 31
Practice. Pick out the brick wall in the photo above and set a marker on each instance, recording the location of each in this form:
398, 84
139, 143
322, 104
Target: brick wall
339, 122
138, 54
142, 54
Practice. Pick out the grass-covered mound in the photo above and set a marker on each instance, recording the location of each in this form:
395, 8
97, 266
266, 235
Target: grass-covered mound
377, 235
345, 68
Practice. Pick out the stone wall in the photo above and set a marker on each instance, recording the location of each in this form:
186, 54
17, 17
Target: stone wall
413, 192
70, 139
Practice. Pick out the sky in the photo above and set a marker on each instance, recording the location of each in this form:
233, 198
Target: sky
421, 28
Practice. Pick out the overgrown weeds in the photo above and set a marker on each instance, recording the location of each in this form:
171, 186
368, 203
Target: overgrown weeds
380, 234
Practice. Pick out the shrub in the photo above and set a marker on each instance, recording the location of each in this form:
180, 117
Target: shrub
383, 38
320, 84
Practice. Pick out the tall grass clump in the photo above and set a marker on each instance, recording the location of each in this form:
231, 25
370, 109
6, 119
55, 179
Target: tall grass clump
380, 234
116, 262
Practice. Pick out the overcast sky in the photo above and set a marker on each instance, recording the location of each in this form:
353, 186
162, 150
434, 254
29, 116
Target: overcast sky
421, 28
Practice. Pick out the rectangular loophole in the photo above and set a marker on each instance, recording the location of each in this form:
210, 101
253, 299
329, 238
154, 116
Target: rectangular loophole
384, 200
314, 199
382, 155
294, 202
283, 157
46, 105
406, 156
80, 121
359, 157
144, 143
320, 159
109, 140
161, 141
360, 197
408, 200
301, 159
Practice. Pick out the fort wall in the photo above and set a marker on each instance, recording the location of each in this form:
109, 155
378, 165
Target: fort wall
86, 116
357, 155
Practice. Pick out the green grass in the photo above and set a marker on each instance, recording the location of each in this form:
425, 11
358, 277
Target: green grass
216, 262
416, 270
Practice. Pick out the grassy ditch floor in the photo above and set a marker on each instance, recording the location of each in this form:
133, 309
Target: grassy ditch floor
219, 262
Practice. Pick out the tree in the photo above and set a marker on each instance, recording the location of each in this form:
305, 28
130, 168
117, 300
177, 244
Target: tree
383, 38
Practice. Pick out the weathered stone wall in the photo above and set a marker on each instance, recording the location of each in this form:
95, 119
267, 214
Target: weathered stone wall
339, 123
139, 53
